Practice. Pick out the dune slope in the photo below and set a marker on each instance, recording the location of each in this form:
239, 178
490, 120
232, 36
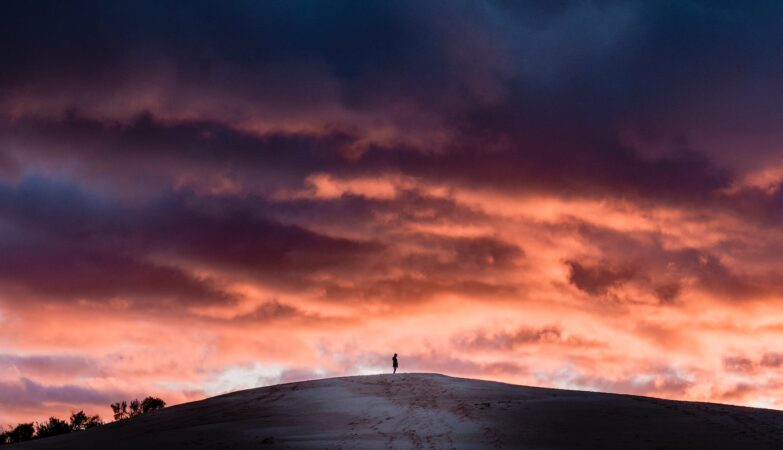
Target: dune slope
432, 411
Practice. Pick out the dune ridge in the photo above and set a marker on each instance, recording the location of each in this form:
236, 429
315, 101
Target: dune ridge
432, 411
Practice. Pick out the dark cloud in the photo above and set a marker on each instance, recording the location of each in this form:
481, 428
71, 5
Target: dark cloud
62, 243
65, 243
527, 157
772, 359
409, 289
739, 364
596, 279
667, 292
486, 251
644, 260
273, 310
72, 273
42, 365
241, 241
100, 246
745, 364
444, 256
28, 392
153, 151
500, 341
530, 96
377, 54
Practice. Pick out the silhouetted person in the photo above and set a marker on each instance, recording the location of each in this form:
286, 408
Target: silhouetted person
394, 363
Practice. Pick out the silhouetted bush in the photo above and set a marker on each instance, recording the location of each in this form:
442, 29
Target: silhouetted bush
53, 427
151, 404
22, 432
25, 431
81, 421
123, 410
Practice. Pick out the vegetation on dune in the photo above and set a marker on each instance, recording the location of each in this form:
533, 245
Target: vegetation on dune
53, 427
79, 421
137, 408
20, 433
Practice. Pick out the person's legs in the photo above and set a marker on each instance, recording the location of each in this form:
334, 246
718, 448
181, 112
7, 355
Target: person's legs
395, 370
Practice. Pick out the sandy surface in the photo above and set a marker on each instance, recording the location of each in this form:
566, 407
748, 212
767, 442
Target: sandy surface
432, 411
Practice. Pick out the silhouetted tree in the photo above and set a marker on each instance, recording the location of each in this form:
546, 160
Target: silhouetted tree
135, 408
151, 404
81, 421
22, 432
120, 410
53, 427
124, 410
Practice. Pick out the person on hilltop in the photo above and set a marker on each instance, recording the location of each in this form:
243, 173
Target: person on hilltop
394, 363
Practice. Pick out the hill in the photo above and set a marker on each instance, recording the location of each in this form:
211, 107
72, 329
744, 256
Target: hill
432, 411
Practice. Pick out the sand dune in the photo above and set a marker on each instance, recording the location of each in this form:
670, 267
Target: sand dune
430, 411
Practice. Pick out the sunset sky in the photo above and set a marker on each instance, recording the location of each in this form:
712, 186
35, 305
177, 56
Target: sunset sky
199, 197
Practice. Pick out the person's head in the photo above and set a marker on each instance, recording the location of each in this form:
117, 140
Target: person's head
395, 355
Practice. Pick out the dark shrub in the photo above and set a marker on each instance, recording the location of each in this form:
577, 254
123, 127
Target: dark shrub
81, 421
53, 427
123, 410
151, 404
22, 432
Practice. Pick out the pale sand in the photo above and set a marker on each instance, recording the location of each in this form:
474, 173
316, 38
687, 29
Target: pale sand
432, 411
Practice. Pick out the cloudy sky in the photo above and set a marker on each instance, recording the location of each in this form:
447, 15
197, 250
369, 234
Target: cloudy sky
200, 197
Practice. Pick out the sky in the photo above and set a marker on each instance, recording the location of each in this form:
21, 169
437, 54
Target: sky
198, 197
